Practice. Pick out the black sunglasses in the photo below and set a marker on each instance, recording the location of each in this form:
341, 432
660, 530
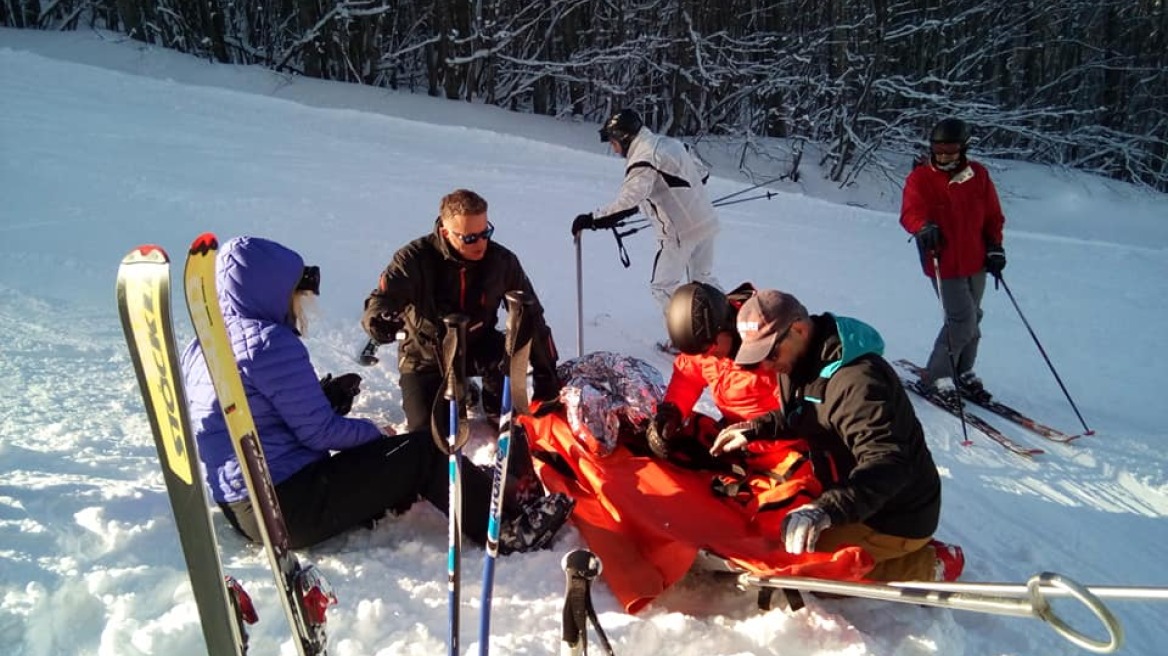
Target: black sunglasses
474, 237
310, 280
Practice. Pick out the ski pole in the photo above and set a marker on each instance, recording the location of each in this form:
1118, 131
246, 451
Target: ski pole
454, 357
723, 199
518, 304
949, 350
579, 297
580, 568
998, 279
723, 203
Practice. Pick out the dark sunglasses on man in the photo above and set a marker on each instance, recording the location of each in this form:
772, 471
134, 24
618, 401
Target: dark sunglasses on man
310, 280
474, 237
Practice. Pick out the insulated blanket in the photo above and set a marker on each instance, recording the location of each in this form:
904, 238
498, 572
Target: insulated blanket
647, 519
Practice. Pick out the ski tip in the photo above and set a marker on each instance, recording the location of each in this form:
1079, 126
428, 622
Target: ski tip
146, 253
204, 244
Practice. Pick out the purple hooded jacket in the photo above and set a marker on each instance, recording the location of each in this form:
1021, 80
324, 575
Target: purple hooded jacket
296, 425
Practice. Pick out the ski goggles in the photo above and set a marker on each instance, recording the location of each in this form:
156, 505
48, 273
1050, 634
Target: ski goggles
946, 148
474, 237
309, 280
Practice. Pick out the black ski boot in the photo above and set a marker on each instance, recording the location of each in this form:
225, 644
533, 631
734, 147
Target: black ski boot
973, 389
536, 525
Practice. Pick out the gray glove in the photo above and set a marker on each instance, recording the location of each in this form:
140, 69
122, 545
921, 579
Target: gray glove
801, 528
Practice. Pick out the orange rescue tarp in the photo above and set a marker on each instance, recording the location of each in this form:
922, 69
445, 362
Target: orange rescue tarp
647, 519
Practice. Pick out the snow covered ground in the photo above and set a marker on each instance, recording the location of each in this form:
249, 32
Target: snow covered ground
106, 144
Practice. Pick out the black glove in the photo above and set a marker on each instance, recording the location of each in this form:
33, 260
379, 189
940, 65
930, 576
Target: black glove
382, 327
663, 428
545, 388
341, 391
995, 260
929, 239
583, 222
548, 407
611, 221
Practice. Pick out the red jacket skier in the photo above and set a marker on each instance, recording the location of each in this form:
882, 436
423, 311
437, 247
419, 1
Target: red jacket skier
951, 207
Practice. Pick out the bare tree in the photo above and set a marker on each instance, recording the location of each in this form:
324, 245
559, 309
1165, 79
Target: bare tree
1079, 83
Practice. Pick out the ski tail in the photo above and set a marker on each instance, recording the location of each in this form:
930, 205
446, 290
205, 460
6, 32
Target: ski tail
143, 295
518, 350
368, 355
304, 593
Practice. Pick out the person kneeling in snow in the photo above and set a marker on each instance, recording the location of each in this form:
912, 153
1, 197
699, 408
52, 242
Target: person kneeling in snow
840, 395
262, 286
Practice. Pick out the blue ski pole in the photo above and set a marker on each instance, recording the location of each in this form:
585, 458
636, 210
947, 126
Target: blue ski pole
454, 359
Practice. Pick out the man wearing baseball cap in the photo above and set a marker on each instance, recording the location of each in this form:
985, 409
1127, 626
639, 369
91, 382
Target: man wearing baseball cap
843, 397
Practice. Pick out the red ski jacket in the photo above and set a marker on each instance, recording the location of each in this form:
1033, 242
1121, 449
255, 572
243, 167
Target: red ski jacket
738, 393
966, 209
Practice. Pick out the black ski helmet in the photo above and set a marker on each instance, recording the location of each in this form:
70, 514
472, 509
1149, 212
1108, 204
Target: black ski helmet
696, 313
950, 130
622, 127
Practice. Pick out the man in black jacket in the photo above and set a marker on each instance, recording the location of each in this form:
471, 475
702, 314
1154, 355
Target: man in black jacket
456, 268
840, 395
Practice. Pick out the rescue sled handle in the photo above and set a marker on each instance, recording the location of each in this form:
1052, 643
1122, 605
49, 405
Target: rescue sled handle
1132, 593
1028, 600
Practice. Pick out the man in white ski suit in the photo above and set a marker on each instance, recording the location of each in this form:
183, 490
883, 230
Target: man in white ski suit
666, 183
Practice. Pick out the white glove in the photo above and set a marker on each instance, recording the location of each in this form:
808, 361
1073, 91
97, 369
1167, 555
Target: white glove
733, 438
801, 528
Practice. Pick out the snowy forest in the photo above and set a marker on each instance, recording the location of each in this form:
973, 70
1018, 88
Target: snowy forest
1075, 83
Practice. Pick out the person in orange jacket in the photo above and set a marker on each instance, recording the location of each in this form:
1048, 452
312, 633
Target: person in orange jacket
951, 208
700, 320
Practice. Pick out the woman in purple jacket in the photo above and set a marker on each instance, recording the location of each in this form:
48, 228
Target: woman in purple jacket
331, 472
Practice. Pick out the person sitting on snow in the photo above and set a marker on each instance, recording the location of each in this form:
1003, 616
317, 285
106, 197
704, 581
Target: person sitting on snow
700, 321
457, 267
839, 394
331, 472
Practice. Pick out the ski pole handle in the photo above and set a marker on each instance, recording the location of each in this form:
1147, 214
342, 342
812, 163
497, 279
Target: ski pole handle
581, 567
456, 364
519, 303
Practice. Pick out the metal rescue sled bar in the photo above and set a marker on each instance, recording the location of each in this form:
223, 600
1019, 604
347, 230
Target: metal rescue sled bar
1018, 600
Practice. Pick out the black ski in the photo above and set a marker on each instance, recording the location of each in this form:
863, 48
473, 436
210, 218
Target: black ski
1004, 411
304, 592
143, 293
914, 385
